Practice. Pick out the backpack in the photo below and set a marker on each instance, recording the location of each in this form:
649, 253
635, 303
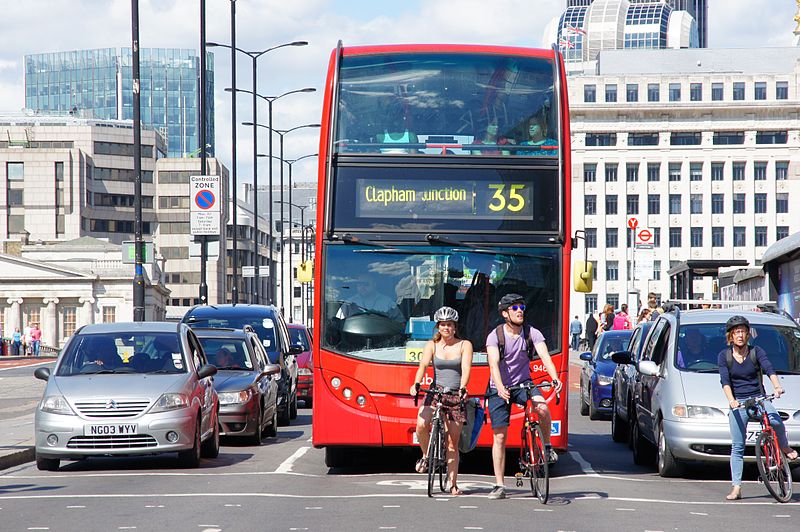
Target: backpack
620, 322
476, 417
751, 354
501, 341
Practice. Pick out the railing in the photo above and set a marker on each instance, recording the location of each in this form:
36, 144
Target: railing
7, 349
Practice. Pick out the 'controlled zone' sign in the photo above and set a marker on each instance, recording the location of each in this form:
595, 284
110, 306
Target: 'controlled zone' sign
204, 201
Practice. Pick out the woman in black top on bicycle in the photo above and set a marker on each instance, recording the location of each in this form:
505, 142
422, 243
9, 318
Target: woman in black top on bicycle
452, 362
740, 381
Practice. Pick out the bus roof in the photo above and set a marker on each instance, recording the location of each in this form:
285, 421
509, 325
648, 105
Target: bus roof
446, 48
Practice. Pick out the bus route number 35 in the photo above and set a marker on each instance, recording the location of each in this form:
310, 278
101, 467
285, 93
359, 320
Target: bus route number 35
507, 197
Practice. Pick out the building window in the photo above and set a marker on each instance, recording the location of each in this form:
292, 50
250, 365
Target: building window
632, 172
611, 204
642, 139
612, 270
601, 139
15, 171
761, 236
760, 90
590, 204
738, 203
696, 204
653, 171
717, 237
717, 171
656, 270
591, 304
782, 203
16, 223
589, 93
782, 90
16, 197
656, 237
675, 237
674, 92
632, 92
612, 237
613, 300
772, 137
739, 238
674, 203
760, 203
722, 138
696, 92
782, 231
59, 171
653, 92
611, 93
738, 171
654, 204
695, 171
738, 90
782, 170
632, 204
70, 320
760, 171
717, 90
590, 173
686, 139
696, 237
109, 314
611, 172
674, 171
591, 237
717, 204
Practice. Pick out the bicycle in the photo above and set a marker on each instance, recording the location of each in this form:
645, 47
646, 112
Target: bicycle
532, 461
437, 450
773, 465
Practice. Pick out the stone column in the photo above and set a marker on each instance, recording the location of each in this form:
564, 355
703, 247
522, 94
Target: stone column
15, 315
50, 325
88, 310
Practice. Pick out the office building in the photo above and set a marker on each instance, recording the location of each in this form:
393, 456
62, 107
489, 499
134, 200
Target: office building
705, 157
98, 84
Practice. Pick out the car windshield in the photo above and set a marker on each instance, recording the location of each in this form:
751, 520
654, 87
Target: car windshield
227, 353
122, 353
299, 337
699, 346
379, 302
263, 326
609, 343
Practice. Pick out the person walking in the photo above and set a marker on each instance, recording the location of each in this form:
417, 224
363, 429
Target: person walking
16, 341
509, 369
26, 340
591, 330
740, 370
36, 339
575, 329
607, 318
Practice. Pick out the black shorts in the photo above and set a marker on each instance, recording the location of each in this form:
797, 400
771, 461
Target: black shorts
500, 410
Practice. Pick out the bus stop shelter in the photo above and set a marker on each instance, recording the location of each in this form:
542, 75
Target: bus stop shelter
682, 275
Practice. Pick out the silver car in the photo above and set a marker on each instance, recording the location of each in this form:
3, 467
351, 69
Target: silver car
681, 411
128, 389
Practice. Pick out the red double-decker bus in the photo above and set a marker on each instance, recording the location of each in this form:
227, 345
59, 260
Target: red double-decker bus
444, 180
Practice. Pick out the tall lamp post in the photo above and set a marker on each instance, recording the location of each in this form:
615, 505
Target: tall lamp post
254, 57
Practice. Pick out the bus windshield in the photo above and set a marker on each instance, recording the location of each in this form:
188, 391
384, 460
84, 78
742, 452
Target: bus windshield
379, 302
446, 103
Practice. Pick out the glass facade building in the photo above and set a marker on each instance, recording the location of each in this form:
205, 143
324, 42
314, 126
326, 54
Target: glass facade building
98, 84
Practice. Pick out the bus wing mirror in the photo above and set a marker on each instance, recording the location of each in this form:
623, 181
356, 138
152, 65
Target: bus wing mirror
582, 276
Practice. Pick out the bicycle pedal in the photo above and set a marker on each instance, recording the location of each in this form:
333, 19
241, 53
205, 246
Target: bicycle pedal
518, 476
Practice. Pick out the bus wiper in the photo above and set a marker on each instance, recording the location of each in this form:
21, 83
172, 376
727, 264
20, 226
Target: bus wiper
350, 239
433, 238
497, 252
400, 251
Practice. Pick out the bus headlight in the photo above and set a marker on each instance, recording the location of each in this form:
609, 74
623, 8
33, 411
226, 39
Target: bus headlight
336, 382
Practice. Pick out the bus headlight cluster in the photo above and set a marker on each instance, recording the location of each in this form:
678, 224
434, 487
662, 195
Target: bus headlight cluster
336, 382
347, 393
361, 400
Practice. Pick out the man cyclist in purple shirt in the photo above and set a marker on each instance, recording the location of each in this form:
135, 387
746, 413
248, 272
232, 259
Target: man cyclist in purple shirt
510, 370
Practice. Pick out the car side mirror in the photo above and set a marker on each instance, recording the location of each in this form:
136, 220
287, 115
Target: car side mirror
42, 374
206, 370
621, 357
295, 349
586, 357
648, 367
272, 369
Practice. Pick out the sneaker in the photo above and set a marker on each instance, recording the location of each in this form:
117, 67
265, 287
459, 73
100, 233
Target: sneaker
498, 492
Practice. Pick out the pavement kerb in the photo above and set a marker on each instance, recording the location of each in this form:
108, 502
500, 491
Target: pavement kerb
17, 457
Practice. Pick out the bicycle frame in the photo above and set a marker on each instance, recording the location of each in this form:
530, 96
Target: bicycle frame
437, 460
773, 465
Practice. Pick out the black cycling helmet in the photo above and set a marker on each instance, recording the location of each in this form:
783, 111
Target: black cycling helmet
508, 300
735, 321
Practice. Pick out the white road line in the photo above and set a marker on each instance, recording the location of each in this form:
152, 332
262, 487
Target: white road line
697, 513
286, 466
387, 528
158, 506
38, 528
473, 528
76, 506
468, 507
782, 516
391, 506
295, 528
126, 528
542, 510
313, 507
586, 467
233, 505
626, 509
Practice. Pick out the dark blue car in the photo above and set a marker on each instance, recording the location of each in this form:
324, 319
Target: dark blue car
597, 373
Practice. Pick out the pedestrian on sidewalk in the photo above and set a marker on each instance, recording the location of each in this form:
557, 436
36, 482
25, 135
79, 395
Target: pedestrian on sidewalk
16, 341
591, 330
36, 338
26, 340
575, 329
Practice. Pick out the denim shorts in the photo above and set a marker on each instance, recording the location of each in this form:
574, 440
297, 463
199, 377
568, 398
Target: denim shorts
500, 410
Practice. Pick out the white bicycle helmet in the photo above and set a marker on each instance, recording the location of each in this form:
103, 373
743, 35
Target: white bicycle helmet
445, 314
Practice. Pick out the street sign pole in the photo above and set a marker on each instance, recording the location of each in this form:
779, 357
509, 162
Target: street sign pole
632, 224
203, 239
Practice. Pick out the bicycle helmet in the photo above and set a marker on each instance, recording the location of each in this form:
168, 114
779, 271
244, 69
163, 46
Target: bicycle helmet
445, 314
735, 321
508, 300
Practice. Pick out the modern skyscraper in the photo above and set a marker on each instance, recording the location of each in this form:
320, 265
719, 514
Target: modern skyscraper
98, 84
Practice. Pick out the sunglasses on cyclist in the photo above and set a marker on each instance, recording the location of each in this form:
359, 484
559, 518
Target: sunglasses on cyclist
517, 307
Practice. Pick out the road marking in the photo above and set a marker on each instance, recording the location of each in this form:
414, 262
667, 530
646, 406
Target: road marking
76, 506
286, 466
233, 505
126, 528
295, 528
473, 528
391, 506
38, 528
158, 506
387, 528
698, 513
313, 507
542, 510
586, 467
783, 516
468, 507
626, 509
28, 366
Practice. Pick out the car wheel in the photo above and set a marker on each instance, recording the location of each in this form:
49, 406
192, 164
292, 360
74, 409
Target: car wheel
594, 414
47, 464
619, 430
210, 447
642, 450
293, 407
191, 457
258, 435
272, 428
584, 404
668, 466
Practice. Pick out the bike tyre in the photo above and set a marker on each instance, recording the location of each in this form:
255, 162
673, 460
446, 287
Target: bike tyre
442, 458
539, 468
433, 459
776, 477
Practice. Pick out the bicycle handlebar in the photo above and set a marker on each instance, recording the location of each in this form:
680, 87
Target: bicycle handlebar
438, 391
544, 385
751, 401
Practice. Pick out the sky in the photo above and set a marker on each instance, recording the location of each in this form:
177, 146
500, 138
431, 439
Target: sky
37, 26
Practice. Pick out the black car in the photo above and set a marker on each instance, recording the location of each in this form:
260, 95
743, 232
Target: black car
623, 384
268, 323
247, 390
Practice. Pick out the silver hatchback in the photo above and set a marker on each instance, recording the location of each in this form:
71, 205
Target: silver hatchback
128, 389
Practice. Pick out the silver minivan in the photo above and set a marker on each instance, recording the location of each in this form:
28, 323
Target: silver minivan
681, 411
128, 389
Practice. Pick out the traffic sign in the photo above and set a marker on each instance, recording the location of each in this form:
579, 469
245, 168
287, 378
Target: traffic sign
204, 205
249, 271
645, 235
633, 223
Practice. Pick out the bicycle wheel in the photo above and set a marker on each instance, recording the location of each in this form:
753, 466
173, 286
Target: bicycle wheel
539, 470
433, 455
773, 466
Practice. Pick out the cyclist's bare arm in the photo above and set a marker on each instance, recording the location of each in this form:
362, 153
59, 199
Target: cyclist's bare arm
424, 362
544, 355
493, 356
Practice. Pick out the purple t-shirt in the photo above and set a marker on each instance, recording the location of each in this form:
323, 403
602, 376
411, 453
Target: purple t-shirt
515, 366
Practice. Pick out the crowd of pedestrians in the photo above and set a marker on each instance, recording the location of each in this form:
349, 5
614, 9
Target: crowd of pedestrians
611, 319
26, 342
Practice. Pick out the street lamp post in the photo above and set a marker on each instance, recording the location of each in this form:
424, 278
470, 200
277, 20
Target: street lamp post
254, 58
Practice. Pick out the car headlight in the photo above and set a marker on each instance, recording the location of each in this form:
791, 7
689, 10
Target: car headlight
305, 371
234, 398
56, 404
604, 381
170, 401
697, 412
